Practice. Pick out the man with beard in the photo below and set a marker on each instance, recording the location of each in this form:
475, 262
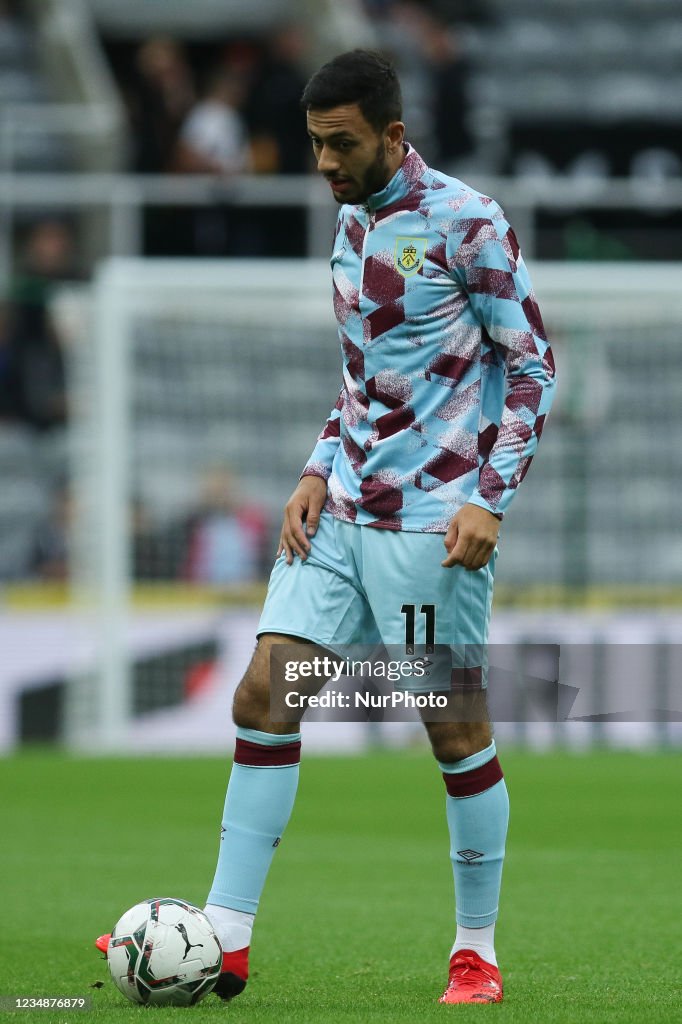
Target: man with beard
447, 380
390, 535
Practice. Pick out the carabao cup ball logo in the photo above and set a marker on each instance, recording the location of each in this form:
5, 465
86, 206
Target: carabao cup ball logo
409, 255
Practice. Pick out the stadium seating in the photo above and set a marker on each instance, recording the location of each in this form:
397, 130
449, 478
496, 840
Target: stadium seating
25, 147
572, 42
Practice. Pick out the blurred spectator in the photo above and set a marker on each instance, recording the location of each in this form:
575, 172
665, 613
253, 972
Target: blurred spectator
449, 101
227, 536
157, 549
162, 97
434, 76
156, 554
213, 138
279, 139
34, 365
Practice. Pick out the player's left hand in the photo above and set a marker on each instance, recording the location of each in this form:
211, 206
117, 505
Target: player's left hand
471, 538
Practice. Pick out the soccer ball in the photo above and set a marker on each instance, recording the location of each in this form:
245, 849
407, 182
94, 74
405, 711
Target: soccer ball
164, 952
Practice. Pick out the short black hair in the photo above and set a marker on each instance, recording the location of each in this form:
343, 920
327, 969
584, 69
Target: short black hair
365, 77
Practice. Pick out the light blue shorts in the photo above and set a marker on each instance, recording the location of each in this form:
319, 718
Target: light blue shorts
362, 585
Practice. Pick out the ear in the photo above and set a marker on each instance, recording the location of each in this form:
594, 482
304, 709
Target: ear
394, 136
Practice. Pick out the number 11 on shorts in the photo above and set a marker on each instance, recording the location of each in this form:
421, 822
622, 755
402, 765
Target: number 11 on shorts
410, 613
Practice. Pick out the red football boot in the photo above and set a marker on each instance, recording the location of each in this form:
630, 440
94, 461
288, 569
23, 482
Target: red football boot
102, 943
235, 972
472, 980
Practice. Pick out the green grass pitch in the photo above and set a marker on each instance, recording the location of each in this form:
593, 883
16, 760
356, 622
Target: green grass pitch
357, 917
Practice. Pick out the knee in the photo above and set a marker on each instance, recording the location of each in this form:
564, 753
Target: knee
251, 706
457, 741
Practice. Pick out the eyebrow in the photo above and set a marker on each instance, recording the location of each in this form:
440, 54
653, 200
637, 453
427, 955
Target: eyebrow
331, 138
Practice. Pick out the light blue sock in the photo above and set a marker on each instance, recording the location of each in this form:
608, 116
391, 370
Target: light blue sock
478, 814
258, 805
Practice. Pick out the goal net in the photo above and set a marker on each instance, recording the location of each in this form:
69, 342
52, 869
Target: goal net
198, 389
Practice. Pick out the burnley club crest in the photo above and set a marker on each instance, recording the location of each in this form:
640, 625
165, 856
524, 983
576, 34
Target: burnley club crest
409, 255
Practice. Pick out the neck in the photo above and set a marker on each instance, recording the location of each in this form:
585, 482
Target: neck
395, 162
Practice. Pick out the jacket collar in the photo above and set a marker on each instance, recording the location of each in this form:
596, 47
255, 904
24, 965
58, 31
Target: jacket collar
402, 182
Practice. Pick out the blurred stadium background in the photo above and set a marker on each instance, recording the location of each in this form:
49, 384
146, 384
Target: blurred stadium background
164, 371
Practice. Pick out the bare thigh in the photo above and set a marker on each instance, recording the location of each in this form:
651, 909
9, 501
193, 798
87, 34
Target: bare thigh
251, 707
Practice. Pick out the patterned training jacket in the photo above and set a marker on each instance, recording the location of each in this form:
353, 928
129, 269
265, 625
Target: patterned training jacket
447, 373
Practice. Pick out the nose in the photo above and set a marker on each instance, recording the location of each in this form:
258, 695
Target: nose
327, 161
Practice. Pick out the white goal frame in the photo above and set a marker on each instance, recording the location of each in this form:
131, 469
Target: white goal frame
264, 290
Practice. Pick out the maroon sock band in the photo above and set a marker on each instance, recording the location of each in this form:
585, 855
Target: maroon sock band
475, 781
258, 755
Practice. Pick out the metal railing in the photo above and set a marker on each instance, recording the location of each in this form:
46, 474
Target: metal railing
61, 122
126, 197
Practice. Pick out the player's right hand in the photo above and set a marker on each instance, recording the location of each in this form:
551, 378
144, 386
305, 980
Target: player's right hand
304, 505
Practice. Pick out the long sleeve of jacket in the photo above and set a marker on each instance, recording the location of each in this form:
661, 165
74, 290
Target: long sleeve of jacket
484, 258
322, 457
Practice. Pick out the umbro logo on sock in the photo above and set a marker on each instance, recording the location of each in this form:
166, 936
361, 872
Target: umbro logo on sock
469, 855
